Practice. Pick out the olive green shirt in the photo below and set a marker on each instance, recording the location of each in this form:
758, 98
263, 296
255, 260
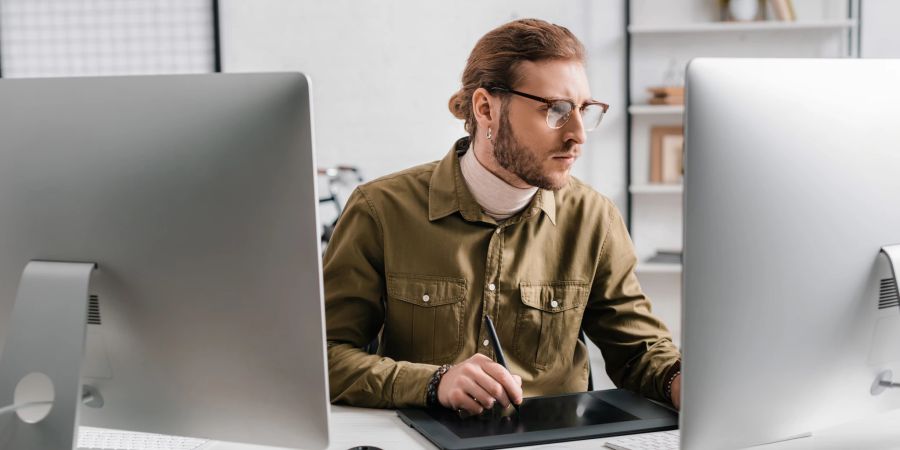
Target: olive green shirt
414, 260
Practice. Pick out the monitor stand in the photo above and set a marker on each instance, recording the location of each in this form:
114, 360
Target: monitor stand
885, 380
42, 357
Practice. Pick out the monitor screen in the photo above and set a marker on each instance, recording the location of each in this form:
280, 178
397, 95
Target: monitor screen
791, 192
194, 197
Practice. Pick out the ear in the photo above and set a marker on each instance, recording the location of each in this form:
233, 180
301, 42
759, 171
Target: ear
486, 108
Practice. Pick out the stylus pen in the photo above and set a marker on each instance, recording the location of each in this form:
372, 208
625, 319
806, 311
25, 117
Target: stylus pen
498, 350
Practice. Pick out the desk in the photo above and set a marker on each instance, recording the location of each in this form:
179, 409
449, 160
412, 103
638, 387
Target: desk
382, 428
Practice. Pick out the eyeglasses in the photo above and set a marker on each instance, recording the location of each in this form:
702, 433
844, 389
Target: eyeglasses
559, 111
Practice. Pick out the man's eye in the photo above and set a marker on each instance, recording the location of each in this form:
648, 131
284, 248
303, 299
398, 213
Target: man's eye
561, 108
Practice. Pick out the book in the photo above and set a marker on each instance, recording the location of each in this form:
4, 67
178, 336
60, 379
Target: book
793, 13
664, 91
779, 9
783, 10
666, 95
670, 100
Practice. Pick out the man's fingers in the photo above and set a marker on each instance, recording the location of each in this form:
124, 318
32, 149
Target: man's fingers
491, 387
512, 387
464, 402
484, 397
477, 384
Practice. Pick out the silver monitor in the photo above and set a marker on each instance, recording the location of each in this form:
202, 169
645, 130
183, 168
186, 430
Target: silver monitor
178, 215
792, 189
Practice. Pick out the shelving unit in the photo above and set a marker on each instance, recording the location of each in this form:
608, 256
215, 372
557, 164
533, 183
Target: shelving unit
655, 109
658, 268
656, 189
662, 37
741, 27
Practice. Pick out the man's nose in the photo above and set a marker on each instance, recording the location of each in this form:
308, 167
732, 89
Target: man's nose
575, 128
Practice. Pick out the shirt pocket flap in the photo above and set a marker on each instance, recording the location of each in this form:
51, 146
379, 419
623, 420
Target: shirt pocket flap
425, 290
553, 296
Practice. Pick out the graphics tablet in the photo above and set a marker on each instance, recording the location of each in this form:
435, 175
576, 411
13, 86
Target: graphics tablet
542, 420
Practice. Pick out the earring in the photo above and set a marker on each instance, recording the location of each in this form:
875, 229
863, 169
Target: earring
489, 135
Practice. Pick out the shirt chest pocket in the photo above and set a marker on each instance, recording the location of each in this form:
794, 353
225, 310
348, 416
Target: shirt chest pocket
548, 321
423, 318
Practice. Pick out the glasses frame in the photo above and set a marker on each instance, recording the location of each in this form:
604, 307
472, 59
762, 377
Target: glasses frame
550, 103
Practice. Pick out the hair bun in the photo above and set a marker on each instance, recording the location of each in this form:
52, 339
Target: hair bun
456, 105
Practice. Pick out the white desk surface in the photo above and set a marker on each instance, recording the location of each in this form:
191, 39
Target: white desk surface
352, 427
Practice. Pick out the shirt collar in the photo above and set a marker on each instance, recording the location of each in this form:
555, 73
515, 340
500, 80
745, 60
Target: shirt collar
448, 193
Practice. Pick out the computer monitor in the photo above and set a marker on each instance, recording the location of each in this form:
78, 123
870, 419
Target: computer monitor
195, 197
792, 188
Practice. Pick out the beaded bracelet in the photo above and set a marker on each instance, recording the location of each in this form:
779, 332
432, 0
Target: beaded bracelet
431, 393
669, 384
675, 370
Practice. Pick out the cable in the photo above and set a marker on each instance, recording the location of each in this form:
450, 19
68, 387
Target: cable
11, 408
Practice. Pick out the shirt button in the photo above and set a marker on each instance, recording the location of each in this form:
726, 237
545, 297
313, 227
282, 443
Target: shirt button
554, 303
486, 343
499, 230
492, 287
426, 298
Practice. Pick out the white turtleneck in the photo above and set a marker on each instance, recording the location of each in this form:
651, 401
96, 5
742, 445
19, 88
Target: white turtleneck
497, 198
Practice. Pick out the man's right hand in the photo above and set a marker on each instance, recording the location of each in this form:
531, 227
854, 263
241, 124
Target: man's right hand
476, 384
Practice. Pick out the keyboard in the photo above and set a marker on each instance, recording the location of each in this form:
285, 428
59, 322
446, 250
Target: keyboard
102, 439
660, 440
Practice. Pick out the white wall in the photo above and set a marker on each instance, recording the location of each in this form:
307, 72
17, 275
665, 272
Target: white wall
384, 71
880, 29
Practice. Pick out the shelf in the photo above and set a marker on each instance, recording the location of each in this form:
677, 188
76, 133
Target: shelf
649, 268
726, 27
656, 189
656, 109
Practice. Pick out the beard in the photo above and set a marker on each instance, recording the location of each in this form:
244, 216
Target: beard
523, 161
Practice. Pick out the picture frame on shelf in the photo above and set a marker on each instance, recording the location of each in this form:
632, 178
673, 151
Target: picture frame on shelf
666, 154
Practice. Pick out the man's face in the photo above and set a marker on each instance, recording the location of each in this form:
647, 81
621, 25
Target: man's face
524, 144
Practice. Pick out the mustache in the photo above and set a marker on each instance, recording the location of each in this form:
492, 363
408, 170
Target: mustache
574, 153
569, 149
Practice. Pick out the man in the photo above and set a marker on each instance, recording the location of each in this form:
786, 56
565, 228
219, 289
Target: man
497, 228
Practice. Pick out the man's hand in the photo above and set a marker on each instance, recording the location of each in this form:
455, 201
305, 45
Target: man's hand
476, 384
676, 392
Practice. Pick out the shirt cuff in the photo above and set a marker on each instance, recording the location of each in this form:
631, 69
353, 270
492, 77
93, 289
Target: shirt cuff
411, 384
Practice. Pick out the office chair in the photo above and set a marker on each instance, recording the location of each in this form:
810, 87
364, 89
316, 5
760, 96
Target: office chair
335, 177
583, 339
